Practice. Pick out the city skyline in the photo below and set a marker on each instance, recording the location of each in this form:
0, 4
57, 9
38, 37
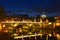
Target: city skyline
31, 7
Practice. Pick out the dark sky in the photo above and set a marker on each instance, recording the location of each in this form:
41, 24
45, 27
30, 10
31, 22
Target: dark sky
31, 7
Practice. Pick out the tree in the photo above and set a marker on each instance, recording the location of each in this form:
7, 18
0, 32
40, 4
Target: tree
2, 13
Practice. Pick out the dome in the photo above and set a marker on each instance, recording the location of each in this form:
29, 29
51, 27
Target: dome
43, 15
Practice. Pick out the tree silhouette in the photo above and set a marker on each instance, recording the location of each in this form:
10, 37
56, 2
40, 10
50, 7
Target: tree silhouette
2, 13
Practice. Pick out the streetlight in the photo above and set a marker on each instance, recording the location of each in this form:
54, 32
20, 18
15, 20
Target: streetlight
50, 23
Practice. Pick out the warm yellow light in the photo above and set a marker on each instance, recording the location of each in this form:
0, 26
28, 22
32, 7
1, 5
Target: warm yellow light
7, 21
50, 23
54, 25
30, 33
40, 20
23, 20
55, 17
46, 20
12, 20
25, 26
15, 25
5, 30
10, 27
0, 27
20, 30
3, 25
15, 34
40, 34
43, 16
57, 24
58, 36
50, 35
29, 24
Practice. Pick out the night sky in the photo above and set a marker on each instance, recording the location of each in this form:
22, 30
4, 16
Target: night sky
31, 7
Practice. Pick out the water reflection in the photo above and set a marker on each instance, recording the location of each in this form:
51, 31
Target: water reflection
45, 35
29, 32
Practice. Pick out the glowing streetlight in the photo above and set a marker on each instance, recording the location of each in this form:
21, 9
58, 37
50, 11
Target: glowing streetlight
50, 35
50, 23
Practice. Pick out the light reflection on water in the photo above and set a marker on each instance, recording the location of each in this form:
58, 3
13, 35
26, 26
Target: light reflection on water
46, 35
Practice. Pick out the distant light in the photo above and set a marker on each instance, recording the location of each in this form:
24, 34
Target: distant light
57, 24
12, 20
5, 30
25, 27
20, 30
50, 23
0, 27
23, 20
58, 36
29, 24
40, 34
15, 34
7, 21
4, 25
50, 35
15, 25
30, 33
43, 16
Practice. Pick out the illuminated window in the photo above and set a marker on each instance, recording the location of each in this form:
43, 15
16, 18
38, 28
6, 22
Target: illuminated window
57, 24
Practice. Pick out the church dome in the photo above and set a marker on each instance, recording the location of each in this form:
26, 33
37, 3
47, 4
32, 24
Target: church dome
43, 15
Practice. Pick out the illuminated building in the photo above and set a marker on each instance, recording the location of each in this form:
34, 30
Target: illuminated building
44, 20
57, 21
43, 15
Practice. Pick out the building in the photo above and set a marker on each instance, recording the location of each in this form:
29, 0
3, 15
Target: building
57, 21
